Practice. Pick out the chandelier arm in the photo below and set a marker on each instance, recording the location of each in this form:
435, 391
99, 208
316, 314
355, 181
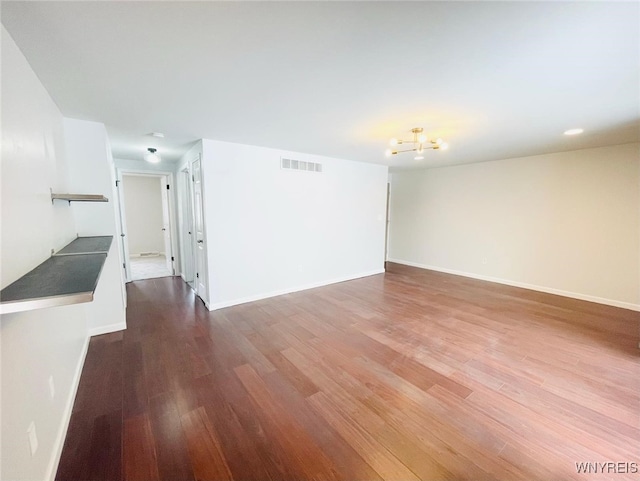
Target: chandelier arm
409, 150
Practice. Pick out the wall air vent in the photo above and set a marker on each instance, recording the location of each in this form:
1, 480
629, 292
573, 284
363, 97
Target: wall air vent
291, 164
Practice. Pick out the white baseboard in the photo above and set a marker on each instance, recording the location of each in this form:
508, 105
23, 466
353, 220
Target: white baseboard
97, 331
258, 297
140, 255
66, 415
524, 285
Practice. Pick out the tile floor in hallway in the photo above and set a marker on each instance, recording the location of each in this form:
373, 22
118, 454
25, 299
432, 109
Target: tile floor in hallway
148, 267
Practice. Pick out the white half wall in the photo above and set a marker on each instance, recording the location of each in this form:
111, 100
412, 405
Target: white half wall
46, 343
143, 210
270, 231
566, 223
91, 172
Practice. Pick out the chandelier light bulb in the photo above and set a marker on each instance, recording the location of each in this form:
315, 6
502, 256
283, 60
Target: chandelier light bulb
444, 145
393, 142
422, 138
439, 141
387, 153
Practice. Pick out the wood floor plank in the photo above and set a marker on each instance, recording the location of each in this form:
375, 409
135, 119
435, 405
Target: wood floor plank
106, 448
170, 445
455, 443
135, 397
273, 460
347, 461
366, 445
207, 459
242, 452
75, 459
413, 374
286, 431
526, 421
139, 453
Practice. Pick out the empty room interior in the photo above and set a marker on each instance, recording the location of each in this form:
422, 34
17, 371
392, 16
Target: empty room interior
320, 240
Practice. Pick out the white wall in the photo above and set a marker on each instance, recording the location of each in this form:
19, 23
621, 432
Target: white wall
271, 231
36, 344
143, 166
143, 210
567, 223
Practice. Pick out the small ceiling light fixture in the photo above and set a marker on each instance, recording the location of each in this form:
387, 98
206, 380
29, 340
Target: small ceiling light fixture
151, 156
573, 131
158, 135
418, 144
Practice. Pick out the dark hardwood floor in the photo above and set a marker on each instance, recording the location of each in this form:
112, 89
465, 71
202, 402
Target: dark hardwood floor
409, 375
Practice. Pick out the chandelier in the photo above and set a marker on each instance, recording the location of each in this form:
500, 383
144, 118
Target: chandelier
419, 144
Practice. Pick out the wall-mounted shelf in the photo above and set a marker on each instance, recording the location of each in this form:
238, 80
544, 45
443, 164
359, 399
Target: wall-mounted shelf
87, 245
79, 197
68, 277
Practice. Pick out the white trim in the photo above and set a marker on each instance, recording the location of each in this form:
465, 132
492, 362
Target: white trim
97, 331
154, 254
281, 292
144, 173
524, 285
58, 444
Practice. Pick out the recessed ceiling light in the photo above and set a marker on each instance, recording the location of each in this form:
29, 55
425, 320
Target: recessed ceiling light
573, 131
419, 157
159, 135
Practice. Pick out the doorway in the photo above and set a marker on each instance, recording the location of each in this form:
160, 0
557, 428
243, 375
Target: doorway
146, 225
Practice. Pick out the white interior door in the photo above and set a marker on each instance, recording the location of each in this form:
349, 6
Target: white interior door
187, 228
198, 221
166, 224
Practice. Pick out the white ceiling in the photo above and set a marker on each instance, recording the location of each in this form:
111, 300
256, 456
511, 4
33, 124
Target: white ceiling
494, 79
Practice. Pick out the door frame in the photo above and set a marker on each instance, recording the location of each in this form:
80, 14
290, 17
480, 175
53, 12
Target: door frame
169, 244
175, 253
123, 245
386, 224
